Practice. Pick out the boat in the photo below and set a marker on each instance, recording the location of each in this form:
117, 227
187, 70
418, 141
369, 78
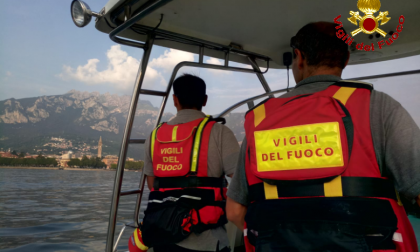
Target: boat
255, 33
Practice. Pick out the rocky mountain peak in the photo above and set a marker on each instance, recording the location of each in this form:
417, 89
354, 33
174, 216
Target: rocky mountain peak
79, 116
98, 111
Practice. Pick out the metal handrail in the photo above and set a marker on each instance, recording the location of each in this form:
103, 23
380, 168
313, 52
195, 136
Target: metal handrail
237, 105
119, 237
183, 39
233, 107
125, 141
195, 64
259, 74
130, 192
147, 8
138, 200
152, 92
386, 75
151, 6
137, 140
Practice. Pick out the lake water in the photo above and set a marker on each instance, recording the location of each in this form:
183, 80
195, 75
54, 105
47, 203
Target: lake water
53, 210
61, 210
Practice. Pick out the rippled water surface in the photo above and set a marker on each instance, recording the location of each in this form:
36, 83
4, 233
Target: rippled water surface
60, 210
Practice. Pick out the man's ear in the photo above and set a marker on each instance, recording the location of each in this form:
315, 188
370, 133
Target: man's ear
205, 101
300, 59
176, 102
348, 58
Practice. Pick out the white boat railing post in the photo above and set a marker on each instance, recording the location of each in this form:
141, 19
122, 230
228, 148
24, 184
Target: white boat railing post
201, 55
261, 77
125, 141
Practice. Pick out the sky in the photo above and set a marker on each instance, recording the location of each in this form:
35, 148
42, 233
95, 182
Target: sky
42, 52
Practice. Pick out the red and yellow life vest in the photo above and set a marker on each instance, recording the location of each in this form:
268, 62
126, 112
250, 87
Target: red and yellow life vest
180, 156
135, 242
309, 154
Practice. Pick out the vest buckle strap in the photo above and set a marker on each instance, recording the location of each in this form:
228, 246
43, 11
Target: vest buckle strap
349, 187
188, 182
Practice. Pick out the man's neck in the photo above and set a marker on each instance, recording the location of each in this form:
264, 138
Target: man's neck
323, 71
179, 109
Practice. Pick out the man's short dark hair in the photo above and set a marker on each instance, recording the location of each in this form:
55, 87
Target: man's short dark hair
320, 46
190, 90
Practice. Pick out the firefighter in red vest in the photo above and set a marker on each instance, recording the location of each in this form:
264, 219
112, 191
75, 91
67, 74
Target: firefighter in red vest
186, 162
321, 166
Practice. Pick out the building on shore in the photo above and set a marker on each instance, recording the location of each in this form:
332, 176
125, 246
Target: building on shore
7, 155
54, 156
100, 147
113, 159
65, 158
109, 160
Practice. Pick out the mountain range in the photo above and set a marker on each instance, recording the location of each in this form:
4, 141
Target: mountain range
29, 124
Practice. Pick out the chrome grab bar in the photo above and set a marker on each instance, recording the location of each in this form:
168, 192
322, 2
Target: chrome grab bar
237, 105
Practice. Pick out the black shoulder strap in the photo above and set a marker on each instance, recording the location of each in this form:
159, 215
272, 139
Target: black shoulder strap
360, 84
187, 182
351, 187
219, 119
354, 84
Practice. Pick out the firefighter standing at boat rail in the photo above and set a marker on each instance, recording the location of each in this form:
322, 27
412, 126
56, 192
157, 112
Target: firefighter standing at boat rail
185, 164
344, 198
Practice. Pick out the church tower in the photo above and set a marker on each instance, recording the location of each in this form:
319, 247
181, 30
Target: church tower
100, 147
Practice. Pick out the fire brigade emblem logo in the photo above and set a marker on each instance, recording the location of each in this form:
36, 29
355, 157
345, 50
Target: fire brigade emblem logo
368, 24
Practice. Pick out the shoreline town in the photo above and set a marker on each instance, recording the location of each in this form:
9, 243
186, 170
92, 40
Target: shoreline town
66, 160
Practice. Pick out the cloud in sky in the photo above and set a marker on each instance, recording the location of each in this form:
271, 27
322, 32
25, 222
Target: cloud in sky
121, 71
169, 59
215, 61
7, 75
234, 93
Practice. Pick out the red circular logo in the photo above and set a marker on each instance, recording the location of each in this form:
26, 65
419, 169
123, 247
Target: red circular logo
369, 24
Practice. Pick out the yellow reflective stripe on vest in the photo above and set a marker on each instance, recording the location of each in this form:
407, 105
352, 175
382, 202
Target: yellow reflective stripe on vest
197, 143
270, 191
139, 244
174, 133
259, 114
333, 188
343, 94
152, 140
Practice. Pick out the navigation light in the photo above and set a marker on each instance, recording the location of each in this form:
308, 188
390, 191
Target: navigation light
81, 13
